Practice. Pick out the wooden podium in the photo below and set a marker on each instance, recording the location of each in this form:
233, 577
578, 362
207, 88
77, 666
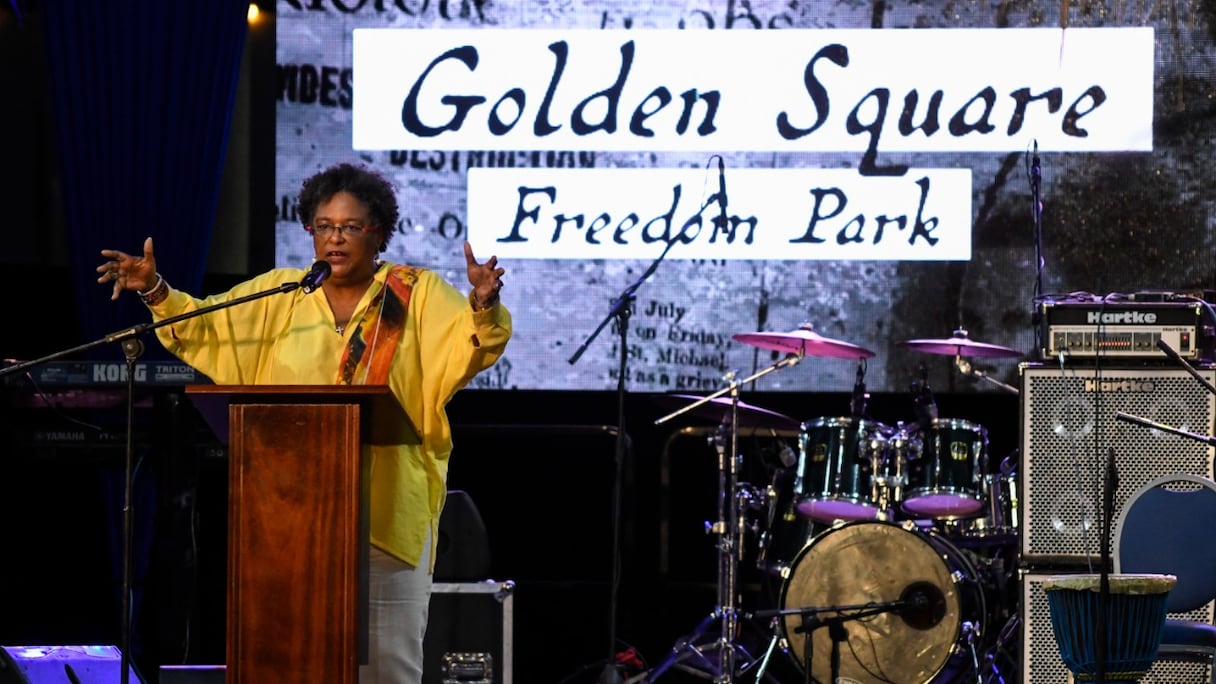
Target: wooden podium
297, 527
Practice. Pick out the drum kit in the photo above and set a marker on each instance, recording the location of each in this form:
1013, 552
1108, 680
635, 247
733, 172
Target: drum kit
899, 534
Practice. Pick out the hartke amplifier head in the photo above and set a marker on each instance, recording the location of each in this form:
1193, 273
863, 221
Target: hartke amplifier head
1068, 426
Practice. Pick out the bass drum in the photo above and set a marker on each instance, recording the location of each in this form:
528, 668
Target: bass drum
874, 562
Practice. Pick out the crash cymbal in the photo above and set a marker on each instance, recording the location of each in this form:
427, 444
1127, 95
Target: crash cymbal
959, 344
718, 410
805, 342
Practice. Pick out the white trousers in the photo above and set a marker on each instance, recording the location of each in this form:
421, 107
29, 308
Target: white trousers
399, 596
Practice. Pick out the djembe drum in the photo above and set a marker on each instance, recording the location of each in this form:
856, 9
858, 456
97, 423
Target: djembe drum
1135, 619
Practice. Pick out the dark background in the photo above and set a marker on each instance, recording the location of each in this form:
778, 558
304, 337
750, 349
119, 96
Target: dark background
540, 469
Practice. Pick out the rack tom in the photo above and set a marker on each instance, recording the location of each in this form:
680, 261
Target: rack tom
838, 461
946, 470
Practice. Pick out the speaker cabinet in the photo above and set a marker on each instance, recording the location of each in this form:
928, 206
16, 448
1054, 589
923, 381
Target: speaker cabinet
1041, 663
62, 665
1068, 430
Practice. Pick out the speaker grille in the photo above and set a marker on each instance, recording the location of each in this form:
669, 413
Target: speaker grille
1041, 662
1068, 424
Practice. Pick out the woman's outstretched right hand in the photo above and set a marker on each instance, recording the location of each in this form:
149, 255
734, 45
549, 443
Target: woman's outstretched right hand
128, 272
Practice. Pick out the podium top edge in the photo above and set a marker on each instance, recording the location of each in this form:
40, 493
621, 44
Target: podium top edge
300, 390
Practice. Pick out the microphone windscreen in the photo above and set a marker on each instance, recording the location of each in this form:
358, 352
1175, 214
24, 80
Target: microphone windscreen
316, 275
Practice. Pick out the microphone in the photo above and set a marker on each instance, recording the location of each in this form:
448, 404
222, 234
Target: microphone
1036, 170
858, 403
722, 185
924, 605
786, 455
315, 276
926, 406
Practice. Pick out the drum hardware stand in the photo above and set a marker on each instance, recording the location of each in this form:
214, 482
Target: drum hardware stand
728, 528
887, 488
1007, 632
970, 631
764, 538
775, 626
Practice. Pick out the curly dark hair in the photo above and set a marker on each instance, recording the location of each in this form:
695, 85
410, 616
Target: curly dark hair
368, 186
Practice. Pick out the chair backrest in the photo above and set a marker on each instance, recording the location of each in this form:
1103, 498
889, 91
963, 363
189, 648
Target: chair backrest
1167, 527
462, 553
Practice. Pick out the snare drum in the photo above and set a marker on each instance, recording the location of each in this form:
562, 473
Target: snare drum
837, 462
946, 472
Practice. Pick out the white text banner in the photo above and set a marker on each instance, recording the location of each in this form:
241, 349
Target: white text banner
782, 214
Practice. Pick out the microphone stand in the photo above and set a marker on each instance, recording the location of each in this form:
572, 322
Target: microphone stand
964, 366
1132, 418
1108, 508
621, 310
132, 349
1170, 352
1036, 182
811, 621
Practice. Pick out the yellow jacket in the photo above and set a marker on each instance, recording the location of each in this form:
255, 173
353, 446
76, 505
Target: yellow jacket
291, 339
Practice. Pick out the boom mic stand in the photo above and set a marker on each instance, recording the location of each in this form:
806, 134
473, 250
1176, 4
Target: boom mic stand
812, 620
1145, 422
964, 366
621, 311
132, 349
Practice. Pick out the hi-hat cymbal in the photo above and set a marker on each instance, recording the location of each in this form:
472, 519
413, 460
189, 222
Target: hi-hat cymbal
718, 410
959, 344
805, 342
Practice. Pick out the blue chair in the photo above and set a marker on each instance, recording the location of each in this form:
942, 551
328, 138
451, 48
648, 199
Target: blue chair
1166, 527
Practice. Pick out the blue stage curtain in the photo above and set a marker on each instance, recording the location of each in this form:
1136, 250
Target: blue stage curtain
142, 94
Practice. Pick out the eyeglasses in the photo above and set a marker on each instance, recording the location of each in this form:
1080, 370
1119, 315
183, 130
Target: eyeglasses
324, 230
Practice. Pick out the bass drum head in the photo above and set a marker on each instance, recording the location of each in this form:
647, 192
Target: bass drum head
872, 562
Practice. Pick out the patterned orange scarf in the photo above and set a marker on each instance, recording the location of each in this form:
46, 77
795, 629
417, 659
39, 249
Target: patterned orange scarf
369, 354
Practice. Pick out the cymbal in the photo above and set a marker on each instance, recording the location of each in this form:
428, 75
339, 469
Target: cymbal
959, 344
804, 341
718, 410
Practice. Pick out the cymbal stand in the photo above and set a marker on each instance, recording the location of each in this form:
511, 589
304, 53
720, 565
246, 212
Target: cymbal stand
728, 528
